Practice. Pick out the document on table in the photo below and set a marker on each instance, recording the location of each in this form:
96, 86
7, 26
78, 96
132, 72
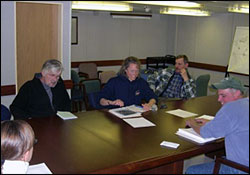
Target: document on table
66, 115
181, 113
127, 112
38, 169
139, 122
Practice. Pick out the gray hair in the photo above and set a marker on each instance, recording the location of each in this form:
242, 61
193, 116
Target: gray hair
126, 64
233, 91
52, 64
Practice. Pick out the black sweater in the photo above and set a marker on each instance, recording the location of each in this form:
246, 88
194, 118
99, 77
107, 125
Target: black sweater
32, 100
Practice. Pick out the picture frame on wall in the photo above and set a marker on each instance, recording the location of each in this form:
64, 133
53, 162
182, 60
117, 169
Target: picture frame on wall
74, 30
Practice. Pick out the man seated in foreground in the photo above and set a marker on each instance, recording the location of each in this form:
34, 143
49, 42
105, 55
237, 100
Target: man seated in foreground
230, 122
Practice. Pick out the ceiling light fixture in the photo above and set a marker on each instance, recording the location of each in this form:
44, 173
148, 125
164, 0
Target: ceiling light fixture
130, 15
239, 9
182, 11
168, 3
101, 5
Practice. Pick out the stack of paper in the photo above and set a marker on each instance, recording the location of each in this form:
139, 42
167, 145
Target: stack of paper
66, 115
190, 134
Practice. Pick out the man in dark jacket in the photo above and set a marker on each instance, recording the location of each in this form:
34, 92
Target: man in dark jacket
44, 95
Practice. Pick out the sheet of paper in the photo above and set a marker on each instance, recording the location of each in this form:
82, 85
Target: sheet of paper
208, 117
66, 115
139, 122
38, 169
181, 113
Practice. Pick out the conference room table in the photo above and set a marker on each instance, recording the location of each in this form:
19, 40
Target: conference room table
99, 142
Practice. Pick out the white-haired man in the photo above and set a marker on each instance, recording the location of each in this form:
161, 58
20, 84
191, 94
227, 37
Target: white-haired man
42, 96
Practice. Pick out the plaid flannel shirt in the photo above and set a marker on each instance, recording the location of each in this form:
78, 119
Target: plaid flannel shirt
158, 81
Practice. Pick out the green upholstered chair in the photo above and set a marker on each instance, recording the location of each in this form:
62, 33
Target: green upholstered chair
202, 85
91, 86
77, 93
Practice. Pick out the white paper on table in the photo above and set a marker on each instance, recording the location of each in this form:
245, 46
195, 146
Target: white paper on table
207, 117
139, 122
181, 113
66, 115
38, 169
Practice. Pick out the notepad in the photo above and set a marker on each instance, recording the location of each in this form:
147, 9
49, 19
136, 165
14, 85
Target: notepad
190, 134
66, 115
181, 113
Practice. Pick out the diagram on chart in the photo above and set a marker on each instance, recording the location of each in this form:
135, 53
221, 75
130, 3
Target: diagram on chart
239, 58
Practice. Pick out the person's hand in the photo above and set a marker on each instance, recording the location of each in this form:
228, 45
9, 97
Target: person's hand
117, 102
184, 75
190, 122
146, 106
201, 121
193, 122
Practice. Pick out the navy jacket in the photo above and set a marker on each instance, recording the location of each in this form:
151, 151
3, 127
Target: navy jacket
32, 100
130, 93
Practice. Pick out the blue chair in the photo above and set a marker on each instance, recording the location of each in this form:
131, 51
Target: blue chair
5, 113
93, 101
202, 85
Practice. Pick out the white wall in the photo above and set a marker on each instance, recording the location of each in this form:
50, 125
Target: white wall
103, 38
209, 40
8, 55
203, 39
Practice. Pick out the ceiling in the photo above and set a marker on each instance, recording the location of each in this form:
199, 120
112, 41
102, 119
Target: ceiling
212, 6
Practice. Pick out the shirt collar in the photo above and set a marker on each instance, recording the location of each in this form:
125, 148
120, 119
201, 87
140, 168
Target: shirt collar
15, 167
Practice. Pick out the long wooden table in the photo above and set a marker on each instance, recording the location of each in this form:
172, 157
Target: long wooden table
98, 142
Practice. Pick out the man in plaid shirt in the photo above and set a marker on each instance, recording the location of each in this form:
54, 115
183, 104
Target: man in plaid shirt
172, 83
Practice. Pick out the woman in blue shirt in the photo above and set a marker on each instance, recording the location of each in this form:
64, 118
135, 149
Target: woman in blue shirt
128, 88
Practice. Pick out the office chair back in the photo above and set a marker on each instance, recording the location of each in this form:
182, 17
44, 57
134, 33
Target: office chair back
202, 85
170, 59
106, 75
5, 113
90, 69
222, 160
90, 86
93, 101
77, 93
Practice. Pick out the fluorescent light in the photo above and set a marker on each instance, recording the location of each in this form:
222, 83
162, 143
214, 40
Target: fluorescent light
167, 3
239, 9
182, 11
131, 16
101, 5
